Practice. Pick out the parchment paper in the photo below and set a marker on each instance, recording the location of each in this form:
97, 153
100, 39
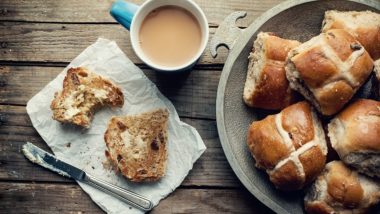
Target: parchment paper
85, 148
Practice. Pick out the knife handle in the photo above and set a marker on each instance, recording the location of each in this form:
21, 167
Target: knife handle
123, 194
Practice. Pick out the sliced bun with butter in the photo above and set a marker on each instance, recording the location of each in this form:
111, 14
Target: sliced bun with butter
289, 146
340, 189
136, 145
83, 92
355, 136
328, 70
266, 85
364, 26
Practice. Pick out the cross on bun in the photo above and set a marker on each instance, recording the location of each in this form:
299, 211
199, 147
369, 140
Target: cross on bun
266, 85
341, 190
83, 92
290, 146
328, 70
364, 26
355, 136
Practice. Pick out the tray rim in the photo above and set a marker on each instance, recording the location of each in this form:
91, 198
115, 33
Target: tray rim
232, 56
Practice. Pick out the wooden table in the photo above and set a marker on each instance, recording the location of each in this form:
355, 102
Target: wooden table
38, 38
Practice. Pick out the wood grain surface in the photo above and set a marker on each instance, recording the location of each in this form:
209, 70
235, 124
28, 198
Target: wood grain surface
192, 94
212, 169
38, 38
56, 42
69, 198
96, 11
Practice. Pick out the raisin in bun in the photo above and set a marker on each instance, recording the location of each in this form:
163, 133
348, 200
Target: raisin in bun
328, 70
363, 25
136, 144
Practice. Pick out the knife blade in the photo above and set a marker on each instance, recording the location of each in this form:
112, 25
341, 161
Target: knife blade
46, 160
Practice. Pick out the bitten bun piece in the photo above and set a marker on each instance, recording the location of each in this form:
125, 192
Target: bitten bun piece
136, 145
355, 136
328, 70
339, 189
364, 26
83, 92
290, 146
266, 85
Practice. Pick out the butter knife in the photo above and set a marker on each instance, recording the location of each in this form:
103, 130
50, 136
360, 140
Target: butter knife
46, 160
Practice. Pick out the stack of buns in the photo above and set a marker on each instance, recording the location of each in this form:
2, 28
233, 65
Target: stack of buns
327, 70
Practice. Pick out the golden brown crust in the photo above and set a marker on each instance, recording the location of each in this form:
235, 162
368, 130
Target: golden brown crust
362, 118
364, 26
266, 146
314, 155
287, 177
277, 48
318, 208
343, 186
362, 66
273, 91
334, 96
339, 189
340, 42
266, 85
314, 68
83, 92
290, 146
329, 69
298, 122
136, 145
370, 39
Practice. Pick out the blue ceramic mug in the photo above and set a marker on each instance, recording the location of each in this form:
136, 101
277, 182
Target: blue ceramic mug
131, 17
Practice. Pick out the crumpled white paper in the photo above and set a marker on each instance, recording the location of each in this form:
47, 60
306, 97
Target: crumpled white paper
85, 148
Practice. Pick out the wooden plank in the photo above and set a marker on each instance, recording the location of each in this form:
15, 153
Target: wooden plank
69, 198
193, 95
62, 42
45, 198
212, 169
78, 11
17, 116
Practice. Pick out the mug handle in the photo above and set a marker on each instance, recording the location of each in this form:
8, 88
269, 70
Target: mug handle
123, 12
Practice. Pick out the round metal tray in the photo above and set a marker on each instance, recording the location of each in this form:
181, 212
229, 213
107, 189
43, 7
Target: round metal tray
296, 19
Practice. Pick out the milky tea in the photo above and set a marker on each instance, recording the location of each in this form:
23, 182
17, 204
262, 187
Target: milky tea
170, 36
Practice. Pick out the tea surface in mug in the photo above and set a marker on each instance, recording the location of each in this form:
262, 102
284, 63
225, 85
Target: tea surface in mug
170, 36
